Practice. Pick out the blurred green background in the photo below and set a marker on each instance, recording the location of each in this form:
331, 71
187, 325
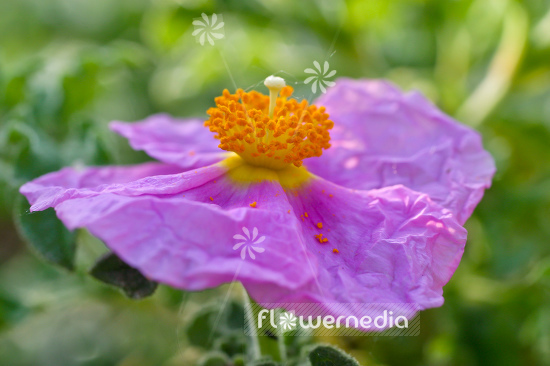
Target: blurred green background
68, 67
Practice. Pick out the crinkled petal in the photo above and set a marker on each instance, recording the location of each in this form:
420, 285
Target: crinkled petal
53, 188
179, 229
384, 137
394, 244
183, 142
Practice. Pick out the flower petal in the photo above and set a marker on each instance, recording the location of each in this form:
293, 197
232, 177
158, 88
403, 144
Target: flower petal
395, 245
147, 179
183, 142
53, 188
171, 238
384, 137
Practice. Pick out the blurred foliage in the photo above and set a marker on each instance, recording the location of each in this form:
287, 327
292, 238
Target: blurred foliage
68, 67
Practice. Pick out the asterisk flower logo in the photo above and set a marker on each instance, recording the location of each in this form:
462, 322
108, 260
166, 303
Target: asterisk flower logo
287, 321
249, 243
320, 76
208, 28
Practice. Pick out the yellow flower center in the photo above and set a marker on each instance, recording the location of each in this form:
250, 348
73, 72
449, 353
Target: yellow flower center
269, 131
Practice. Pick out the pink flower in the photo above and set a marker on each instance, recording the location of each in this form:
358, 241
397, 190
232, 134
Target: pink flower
377, 218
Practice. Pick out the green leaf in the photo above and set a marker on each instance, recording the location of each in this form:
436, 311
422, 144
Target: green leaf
46, 234
214, 359
266, 361
324, 355
112, 270
213, 322
231, 344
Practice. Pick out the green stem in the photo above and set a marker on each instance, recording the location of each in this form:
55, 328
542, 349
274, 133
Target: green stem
254, 349
281, 341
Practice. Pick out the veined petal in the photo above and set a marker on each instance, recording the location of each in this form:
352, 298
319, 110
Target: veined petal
394, 245
54, 188
183, 142
179, 229
384, 137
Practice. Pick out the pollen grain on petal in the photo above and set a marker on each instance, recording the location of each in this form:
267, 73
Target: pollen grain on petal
335, 250
320, 225
253, 204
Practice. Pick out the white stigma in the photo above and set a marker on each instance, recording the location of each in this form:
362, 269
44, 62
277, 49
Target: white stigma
274, 84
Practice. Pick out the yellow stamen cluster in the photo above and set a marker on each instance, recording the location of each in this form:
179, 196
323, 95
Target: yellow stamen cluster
296, 131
